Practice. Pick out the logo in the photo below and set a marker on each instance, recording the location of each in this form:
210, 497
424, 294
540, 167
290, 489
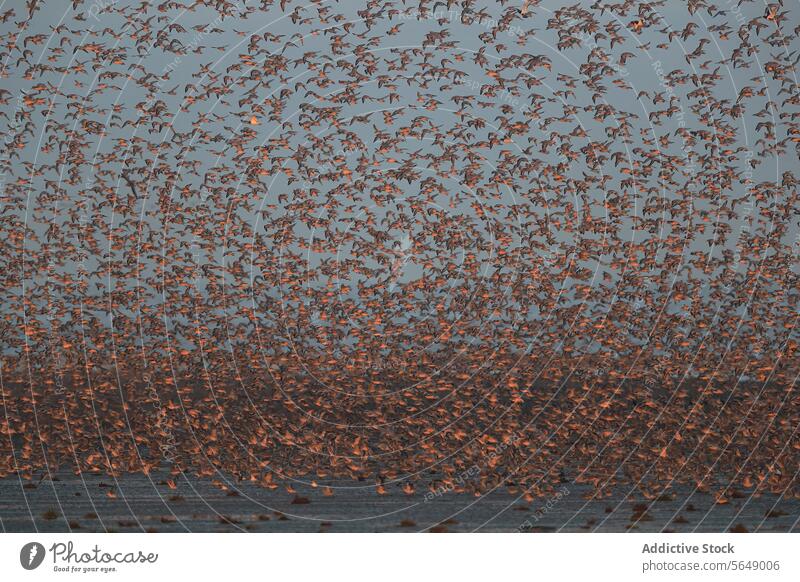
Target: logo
31, 555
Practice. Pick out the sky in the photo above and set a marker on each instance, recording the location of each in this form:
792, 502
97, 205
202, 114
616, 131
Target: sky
198, 202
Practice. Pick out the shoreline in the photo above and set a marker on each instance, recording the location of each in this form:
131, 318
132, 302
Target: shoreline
137, 503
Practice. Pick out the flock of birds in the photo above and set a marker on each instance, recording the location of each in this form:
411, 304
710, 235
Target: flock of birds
393, 241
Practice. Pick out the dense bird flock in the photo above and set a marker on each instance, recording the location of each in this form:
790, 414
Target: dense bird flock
403, 242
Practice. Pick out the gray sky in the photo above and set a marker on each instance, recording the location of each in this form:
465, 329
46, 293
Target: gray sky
130, 108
